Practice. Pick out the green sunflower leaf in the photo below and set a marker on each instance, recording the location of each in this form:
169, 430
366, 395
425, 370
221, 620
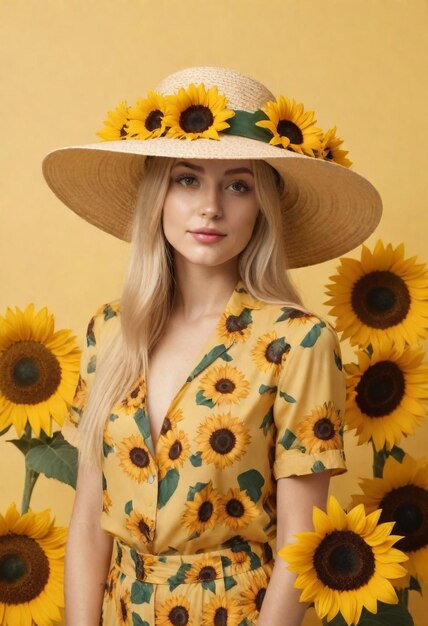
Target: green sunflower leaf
179, 577
229, 582
209, 584
255, 561
196, 459
318, 466
128, 507
225, 561
4, 431
24, 445
207, 360
310, 339
226, 357
415, 585
267, 421
266, 389
195, 489
286, 397
201, 399
287, 439
245, 622
167, 486
92, 364
285, 315
338, 361
141, 592
57, 459
387, 615
138, 621
108, 312
251, 482
142, 421
397, 453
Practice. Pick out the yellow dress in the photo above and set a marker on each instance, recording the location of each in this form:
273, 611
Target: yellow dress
194, 525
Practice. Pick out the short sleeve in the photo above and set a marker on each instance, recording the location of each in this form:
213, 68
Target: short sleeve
309, 406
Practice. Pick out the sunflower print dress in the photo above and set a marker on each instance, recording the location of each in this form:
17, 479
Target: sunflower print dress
194, 522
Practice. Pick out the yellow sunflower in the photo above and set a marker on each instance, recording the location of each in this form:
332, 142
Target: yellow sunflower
237, 509
32, 552
202, 512
115, 126
321, 430
134, 399
381, 296
223, 439
291, 126
147, 117
171, 420
134, 458
79, 400
175, 610
173, 451
235, 325
39, 370
141, 527
346, 563
222, 610
330, 150
402, 494
253, 595
241, 560
196, 112
386, 394
224, 385
204, 570
124, 610
270, 352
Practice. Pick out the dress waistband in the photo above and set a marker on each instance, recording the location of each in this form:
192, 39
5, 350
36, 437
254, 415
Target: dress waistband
240, 557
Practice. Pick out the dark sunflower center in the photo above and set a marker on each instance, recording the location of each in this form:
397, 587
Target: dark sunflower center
260, 596
380, 299
166, 426
324, 429
24, 569
275, 351
296, 314
225, 385
175, 450
178, 616
286, 128
123, 609
123, 132
144, 529
235, 324
154, 120
220, 617
381, 389
329, 155
205, 511
207, 573
196, 119
235, 508
134, 393
29, 373
139, 457
223, 440
407, 506
344, 561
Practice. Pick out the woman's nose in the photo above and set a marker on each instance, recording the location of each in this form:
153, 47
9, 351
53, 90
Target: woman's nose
211, 204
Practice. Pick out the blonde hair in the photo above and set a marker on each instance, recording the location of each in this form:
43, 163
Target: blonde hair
149, 290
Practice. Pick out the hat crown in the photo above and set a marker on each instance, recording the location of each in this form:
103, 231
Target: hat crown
242, 92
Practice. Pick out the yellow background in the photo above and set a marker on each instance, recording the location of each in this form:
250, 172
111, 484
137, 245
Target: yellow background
360, 64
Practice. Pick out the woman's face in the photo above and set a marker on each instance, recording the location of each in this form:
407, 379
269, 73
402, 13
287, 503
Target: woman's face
210, 209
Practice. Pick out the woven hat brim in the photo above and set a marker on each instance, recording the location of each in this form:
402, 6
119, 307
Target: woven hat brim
330, 209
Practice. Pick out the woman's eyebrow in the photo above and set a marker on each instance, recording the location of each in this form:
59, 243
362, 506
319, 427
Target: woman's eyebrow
198, 168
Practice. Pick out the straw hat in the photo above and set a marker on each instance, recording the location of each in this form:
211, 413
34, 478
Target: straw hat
328, 209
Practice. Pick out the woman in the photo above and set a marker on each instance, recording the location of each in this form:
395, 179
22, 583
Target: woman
215, 413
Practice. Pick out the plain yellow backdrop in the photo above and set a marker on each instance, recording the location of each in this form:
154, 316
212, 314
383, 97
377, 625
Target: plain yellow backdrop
360, 64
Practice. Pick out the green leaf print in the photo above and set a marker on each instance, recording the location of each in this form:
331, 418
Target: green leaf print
245, 622
338, 361
267, 389
270, 512
310, 339
229, 582
141, 592
108, 312
318, 466
113, 417
192, 536
251, 482
286, 397
179, 577
267, 421
142, 421
195, 489
92, 364
287, 313
287, 439
225, 561
209, 584
201, 399
138, 621
129, 507
167, 486
196, 459
226, 356
106, 449
255, 560
207, 360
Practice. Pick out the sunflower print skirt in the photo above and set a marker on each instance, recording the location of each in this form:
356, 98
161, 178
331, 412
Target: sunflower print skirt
220, 588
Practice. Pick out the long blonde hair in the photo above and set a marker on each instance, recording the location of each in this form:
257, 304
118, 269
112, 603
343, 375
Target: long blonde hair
149, 287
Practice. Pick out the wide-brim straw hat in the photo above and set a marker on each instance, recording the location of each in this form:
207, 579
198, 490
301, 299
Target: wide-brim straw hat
328, 208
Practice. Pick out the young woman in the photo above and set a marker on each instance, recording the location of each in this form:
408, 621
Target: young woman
209, 412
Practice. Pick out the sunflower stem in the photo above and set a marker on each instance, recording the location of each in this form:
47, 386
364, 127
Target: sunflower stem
379, 458
30, 475
403, 596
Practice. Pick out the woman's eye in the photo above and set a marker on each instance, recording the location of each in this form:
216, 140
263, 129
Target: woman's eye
186, 181
239, 186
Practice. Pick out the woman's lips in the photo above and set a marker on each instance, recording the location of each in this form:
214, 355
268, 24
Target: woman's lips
207, 237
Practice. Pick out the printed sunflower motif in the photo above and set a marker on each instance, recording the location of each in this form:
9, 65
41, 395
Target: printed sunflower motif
39, 370
202, 512
291, 126
174, 450
171, 420
174, 612
124, 610
115, 126
224, 385
112, 581
382, 296
223, 439
296, 317
237, 509
330, 150
135, 459
240, 559
270, 352
79, 400
147, 117
235, 325
402, 494
204, 570
134, 399
386, 394
253, 595
221, 610
32, 553
107, 502
195, 112
346, 563
321, 430
141, 527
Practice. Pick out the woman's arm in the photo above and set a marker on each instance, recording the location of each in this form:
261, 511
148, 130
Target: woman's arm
296, 497
88, 553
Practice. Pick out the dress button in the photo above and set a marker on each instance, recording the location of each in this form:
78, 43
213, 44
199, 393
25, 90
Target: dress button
151, 478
